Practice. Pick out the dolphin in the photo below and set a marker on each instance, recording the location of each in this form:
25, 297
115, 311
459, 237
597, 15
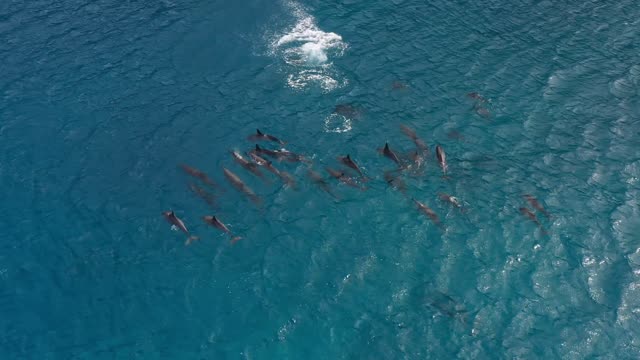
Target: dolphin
482, 111
526, 212
446, 305
263, 162
260, 150
534, 202
241, 186
280, 154
347, 110
427, 211
413, 136
347, 161
174, 220
288, 179
213, 221
261, 136
343, 178
450, 199
317, 178
386, 151
531, 216
198, 175
455, 134
283, 175
252, 167
398, 85
476, 96
417, 159
442, 159
203, 194
395, 181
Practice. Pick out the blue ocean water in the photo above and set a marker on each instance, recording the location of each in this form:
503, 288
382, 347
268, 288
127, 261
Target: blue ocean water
102, 100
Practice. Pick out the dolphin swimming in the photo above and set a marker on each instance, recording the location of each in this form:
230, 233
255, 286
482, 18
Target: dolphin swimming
174, 220
213, 221
261, 136
241, 186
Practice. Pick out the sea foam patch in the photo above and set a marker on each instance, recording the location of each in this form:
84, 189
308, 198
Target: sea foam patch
307, 52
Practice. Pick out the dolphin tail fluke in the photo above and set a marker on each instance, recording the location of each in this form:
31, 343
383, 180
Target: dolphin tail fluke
191, 239
256, 200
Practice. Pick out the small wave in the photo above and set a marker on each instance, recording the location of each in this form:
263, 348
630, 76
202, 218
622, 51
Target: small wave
307, 51
337, 123
622, 88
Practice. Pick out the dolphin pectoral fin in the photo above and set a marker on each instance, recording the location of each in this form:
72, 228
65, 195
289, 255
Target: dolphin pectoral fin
235, 239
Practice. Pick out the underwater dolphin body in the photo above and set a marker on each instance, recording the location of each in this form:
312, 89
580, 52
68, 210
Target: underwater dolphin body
203, 194
482, 111
395, 181
174, 220
531, 216
476, 96
198, 175
347, 110
526, 212
241, 186
213, 221
427, 211
322, 183
261, 136
536, 205
413, 136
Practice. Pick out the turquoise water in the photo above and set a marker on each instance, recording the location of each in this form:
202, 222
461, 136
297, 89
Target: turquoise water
101, 101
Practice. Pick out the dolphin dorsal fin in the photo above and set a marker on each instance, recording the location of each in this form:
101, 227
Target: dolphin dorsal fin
259, 132
258, 147
386, 146
348, 157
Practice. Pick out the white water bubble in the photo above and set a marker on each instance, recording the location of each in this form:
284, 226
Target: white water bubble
336, 123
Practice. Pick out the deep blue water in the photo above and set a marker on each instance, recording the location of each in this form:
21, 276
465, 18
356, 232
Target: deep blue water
100, 102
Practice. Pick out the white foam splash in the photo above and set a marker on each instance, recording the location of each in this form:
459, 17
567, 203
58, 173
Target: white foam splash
307, 51
337, 123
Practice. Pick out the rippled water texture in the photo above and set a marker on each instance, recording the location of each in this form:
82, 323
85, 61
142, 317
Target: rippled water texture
102, 100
